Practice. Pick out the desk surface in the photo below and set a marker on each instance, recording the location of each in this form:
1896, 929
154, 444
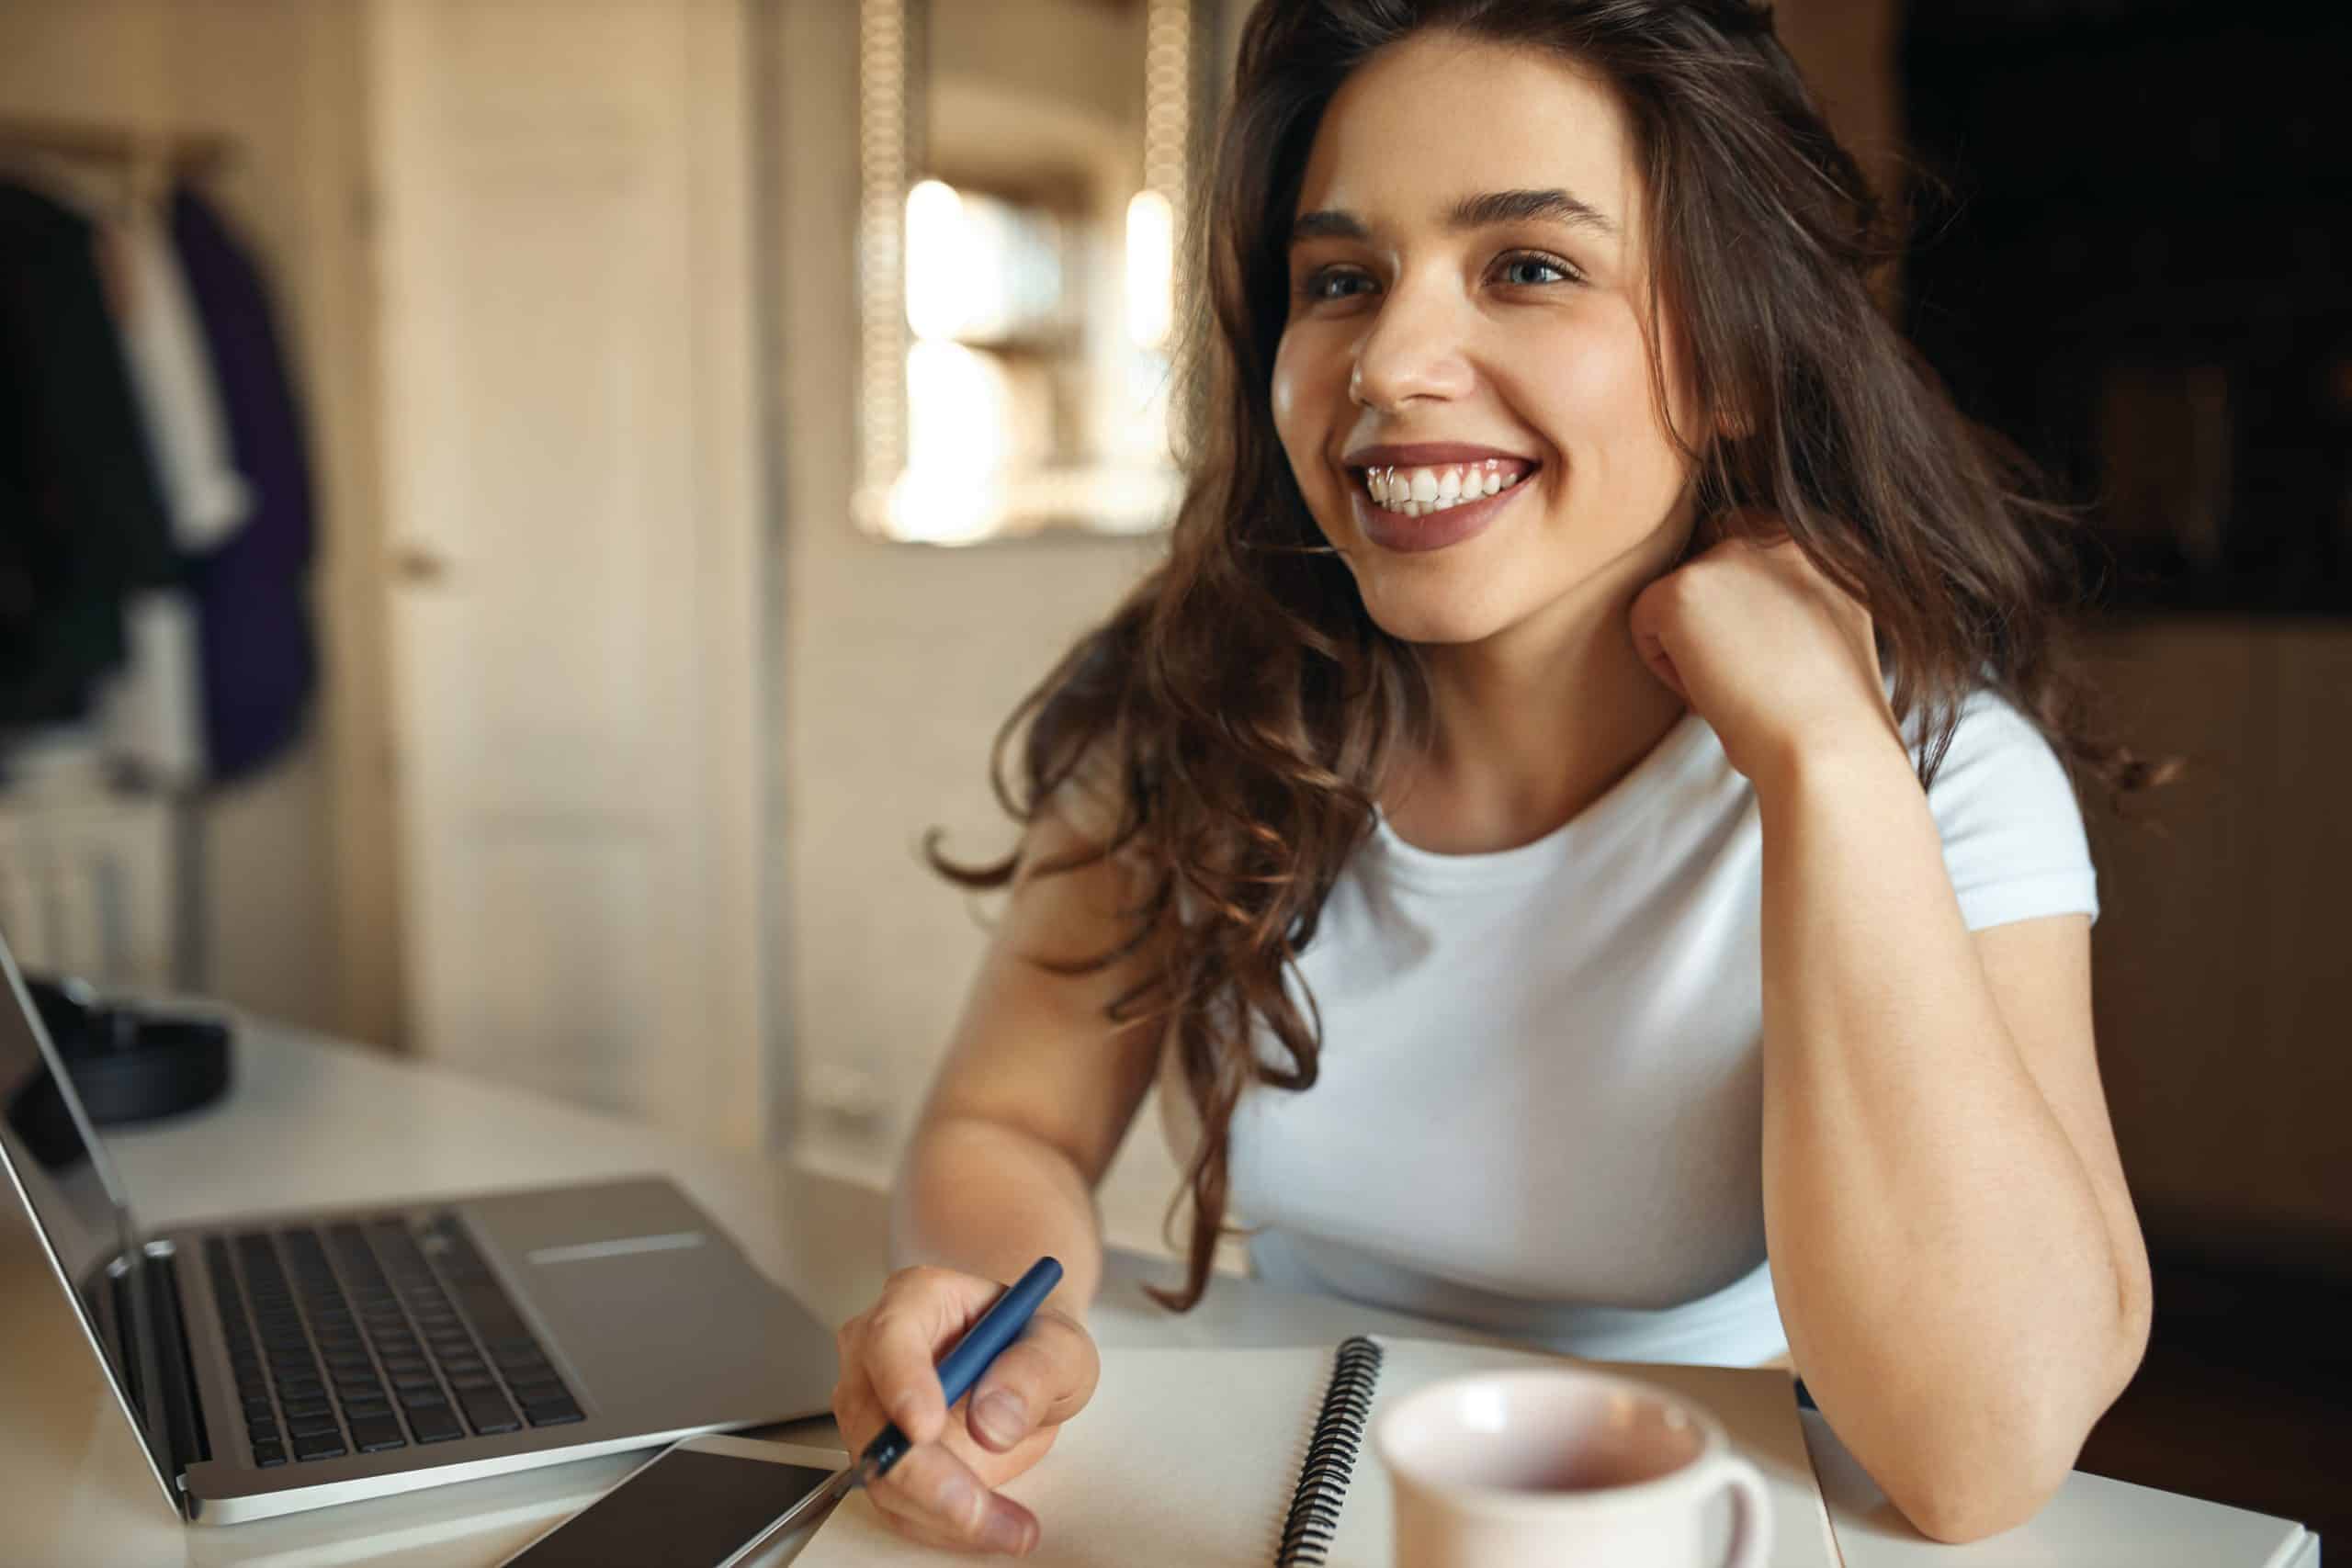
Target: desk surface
319, 1123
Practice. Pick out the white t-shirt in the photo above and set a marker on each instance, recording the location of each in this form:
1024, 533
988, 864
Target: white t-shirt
1540, 1111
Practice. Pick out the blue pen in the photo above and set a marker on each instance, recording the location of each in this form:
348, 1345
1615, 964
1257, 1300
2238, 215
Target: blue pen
981, 1343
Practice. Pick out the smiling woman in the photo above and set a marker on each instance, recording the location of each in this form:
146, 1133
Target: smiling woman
1578, 825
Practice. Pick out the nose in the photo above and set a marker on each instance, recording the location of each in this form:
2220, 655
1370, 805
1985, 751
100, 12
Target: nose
1412, 348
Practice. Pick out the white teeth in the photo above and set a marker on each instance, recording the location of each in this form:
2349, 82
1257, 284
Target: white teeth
1416, 491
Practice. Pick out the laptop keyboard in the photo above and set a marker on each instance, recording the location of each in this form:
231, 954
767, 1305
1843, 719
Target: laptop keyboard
363, 1337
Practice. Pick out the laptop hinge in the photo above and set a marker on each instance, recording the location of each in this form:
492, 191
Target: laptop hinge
172, 1402
183, 1408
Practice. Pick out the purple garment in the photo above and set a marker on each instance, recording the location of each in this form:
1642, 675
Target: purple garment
252, 593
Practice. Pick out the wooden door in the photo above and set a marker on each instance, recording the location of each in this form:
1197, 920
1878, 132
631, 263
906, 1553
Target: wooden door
560, 237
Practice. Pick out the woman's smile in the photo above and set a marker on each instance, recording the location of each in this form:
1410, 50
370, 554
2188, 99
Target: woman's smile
1424, 495
1431, 507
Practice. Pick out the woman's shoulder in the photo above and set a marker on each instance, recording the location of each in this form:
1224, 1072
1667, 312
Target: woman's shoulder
1990, 737
2009, 816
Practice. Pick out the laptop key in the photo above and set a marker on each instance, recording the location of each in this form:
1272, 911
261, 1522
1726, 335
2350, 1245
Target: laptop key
538, 1391
308, 1405
327, 1445
256, 1409
552, 1411
269, 1453
261, 1431
418, 1398
435, 1423
374, 1434
312, 1426
487, 1411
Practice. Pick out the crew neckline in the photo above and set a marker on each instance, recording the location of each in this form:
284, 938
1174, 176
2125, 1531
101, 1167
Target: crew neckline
1689, 738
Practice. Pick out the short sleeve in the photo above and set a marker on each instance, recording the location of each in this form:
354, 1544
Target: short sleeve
2012, 829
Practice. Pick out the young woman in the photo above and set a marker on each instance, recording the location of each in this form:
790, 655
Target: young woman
1579, 812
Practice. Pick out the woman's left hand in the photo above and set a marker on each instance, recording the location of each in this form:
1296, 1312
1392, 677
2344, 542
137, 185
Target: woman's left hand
1776, 657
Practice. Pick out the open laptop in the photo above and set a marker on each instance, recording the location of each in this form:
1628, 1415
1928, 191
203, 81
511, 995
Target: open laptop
281, 1361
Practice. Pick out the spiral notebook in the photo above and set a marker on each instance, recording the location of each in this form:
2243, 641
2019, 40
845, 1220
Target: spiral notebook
1261, 1459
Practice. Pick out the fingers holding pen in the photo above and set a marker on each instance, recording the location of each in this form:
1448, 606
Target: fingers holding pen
1042, 1379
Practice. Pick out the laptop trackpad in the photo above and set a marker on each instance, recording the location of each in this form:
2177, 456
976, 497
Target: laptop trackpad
651, 1304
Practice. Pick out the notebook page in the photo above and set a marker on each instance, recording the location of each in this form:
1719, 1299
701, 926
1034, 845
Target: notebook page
1183, 1457
1187, 1457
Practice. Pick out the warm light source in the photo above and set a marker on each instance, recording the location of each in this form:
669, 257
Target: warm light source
1151, 268
939, 274
979, 269
959, 419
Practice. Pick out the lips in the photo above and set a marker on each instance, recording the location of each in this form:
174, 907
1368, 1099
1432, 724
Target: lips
1432, 530
1434, 454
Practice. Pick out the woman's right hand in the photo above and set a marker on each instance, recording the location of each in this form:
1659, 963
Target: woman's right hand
943, 1493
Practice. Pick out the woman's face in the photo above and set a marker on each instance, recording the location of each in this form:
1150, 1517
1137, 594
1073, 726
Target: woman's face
1506, 342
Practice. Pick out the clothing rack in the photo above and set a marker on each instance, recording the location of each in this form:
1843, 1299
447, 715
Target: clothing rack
184, 151
149, 159
102, 879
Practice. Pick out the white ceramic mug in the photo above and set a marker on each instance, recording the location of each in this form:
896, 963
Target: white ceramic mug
1550, 1467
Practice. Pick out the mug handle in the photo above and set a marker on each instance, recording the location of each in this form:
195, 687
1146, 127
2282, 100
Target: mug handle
1751, 1536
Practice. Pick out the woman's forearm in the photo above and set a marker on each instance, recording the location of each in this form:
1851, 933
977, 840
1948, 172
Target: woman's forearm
1943, 1266
991, 1199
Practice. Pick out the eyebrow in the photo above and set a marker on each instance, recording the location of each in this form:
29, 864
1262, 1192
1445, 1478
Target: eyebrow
1480, 211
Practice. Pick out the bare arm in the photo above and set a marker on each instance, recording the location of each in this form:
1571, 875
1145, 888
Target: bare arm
1039, 1087
1958, 1263
1037, 1091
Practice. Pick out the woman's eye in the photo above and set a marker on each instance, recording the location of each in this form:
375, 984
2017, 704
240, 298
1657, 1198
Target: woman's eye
1327, 283
1313, 287
1514, 265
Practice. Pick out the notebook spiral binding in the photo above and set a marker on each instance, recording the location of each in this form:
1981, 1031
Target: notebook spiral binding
1331, 1456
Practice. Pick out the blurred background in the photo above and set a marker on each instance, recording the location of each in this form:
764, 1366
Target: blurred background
476, 477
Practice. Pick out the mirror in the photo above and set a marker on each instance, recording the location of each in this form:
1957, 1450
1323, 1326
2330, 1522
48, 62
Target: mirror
1027, 169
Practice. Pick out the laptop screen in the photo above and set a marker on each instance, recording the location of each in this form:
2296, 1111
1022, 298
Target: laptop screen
75, 1201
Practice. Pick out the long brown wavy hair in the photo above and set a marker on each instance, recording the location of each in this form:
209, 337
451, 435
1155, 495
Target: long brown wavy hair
1242, 705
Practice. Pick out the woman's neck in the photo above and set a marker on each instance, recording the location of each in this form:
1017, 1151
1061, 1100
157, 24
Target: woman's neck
1531, 727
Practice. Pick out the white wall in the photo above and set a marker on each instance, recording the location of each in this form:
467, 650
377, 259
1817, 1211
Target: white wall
295, 862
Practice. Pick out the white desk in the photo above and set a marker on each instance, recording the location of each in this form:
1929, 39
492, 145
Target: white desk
311, 1121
